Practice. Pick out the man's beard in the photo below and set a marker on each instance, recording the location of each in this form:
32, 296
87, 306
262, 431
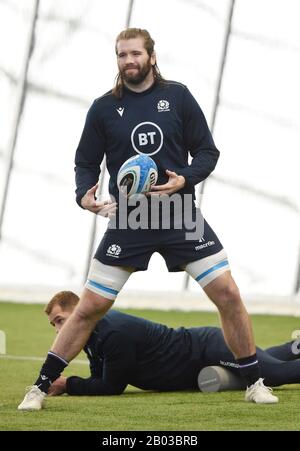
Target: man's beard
139, 77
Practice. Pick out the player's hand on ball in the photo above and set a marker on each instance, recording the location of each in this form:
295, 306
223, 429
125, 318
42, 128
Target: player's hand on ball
58, 387
175, 183
104, 208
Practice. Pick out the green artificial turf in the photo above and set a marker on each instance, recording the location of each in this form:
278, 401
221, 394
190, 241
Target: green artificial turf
29, 335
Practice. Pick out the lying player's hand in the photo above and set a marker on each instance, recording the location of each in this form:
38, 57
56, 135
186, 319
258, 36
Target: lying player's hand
175, 183
58, 387
104, 208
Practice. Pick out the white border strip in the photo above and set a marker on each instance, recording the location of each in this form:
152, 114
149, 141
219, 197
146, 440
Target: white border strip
37, 359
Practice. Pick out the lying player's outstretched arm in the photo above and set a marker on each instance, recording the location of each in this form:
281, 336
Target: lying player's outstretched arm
118, 367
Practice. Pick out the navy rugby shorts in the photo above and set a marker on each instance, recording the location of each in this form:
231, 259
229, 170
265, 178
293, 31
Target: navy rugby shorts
133, 248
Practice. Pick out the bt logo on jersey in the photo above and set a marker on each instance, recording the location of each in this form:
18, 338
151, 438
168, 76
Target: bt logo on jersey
143, 138
147, 138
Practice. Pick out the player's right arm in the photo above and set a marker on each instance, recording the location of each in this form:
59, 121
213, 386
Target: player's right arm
88, 158
89, 202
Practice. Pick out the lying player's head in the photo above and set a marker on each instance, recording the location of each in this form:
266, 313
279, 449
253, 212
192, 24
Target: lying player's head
135, 57
60, 308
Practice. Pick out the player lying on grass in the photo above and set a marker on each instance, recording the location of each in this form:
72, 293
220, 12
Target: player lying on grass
124, 349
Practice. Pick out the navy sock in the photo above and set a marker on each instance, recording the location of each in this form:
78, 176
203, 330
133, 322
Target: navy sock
249, 369
51, 370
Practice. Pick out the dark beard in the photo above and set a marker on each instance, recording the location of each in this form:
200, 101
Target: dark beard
139, 77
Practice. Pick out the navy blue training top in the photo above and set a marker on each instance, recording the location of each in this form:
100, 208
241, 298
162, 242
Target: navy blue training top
164, 122
124, 349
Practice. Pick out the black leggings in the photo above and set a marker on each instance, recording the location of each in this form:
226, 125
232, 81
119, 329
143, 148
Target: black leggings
279, 365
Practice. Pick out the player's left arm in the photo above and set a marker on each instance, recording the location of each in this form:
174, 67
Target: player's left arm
198, 141
174, 184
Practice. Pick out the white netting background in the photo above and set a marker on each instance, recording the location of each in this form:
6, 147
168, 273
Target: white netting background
252, 199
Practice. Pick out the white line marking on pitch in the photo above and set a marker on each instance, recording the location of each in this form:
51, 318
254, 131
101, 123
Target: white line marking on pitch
38, 359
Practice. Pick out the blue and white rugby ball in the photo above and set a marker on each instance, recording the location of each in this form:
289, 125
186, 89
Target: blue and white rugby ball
137, 175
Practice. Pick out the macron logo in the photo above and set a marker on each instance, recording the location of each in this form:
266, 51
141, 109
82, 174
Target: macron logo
120, 111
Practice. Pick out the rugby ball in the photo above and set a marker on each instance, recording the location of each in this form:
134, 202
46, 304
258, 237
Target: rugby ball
137, 175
